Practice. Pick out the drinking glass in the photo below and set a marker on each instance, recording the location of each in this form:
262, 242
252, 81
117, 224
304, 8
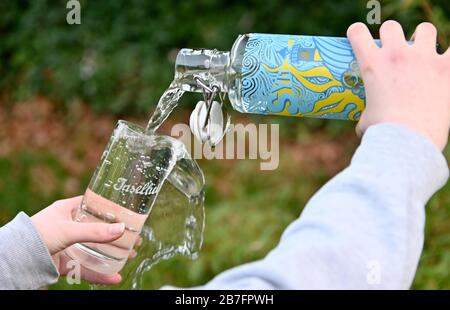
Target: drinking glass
124, 188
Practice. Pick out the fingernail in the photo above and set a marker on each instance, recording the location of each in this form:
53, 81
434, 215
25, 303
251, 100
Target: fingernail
116, 229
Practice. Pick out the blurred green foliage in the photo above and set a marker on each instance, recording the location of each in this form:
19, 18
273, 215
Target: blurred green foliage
119, 61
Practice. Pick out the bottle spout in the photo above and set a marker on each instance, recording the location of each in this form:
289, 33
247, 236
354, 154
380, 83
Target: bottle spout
208, 65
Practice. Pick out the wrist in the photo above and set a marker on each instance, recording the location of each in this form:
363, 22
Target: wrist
403, 152
433, 132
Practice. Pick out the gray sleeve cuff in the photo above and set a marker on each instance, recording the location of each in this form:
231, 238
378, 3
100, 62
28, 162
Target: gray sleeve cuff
406, 153
25, 262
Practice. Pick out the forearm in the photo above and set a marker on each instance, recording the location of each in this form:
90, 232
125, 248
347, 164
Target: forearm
24, 260
369, 218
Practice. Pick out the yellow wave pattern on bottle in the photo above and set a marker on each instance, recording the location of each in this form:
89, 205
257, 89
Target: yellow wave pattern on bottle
343, 99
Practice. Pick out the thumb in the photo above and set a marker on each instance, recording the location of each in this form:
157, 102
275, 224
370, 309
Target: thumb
359, 130
92, 232
362, 125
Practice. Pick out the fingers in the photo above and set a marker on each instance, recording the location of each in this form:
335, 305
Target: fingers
425, 36
361, 126
99, 278
132, 254
362, 43
391, 35
75, 232
139, 241
70, 202
69, 205
359, 129
447, 54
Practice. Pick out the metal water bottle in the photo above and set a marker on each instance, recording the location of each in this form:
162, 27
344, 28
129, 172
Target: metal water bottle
293, 75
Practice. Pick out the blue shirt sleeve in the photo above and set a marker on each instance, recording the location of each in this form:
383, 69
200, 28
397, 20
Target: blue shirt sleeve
364, 229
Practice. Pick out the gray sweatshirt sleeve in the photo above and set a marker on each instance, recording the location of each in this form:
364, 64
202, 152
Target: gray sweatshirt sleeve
25, 262
364, 229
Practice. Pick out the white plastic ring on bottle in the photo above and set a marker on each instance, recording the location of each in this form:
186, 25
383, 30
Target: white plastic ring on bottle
207, 128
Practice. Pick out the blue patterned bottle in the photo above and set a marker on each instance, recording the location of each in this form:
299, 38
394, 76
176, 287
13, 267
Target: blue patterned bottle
292, 75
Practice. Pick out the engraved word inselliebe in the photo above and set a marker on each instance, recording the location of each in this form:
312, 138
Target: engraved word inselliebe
142, 189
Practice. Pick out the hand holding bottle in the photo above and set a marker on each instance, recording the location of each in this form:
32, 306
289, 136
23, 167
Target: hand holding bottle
405, 84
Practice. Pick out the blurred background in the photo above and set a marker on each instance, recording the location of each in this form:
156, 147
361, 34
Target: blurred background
63, 87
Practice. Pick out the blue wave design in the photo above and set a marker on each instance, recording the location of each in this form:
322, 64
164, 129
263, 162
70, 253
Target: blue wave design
342, 49
336, 57
263, 90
